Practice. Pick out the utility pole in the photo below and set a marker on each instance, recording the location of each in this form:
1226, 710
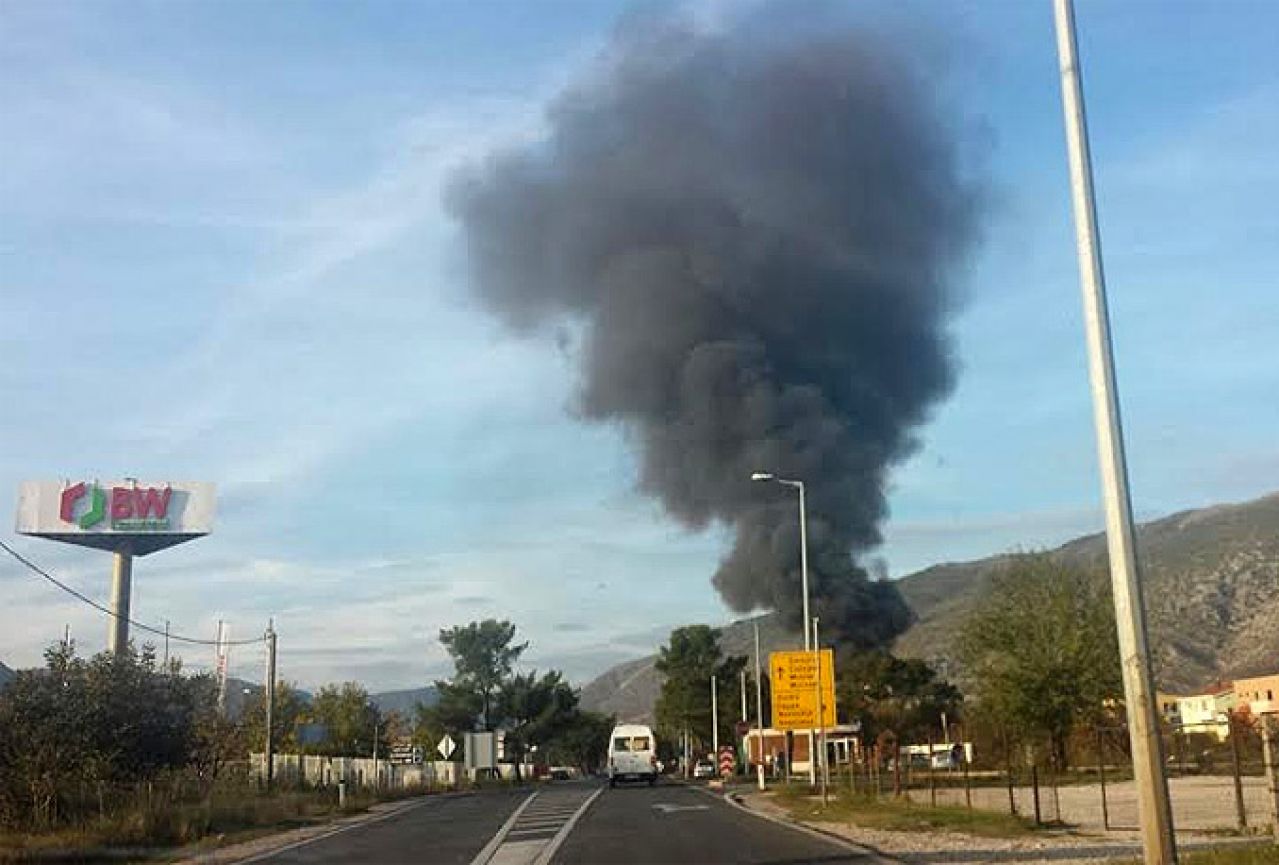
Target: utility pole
222, 664
759, 709
742, 688
166, 644
1154, 810
714, 726
270, 703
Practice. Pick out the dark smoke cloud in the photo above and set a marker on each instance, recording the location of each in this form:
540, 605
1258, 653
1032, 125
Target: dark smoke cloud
754, 234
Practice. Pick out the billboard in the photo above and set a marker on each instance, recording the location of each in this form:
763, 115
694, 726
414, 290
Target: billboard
109, 515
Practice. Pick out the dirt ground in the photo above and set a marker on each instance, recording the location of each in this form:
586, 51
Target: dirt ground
1202, 808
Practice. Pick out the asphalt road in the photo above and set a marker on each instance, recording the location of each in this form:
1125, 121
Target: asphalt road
577, 823
671, 823
435, 829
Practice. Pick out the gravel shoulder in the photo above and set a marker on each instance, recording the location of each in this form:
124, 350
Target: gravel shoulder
1058, 847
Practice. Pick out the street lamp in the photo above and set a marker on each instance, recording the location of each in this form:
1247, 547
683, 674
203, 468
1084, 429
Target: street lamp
377, 718
769, 477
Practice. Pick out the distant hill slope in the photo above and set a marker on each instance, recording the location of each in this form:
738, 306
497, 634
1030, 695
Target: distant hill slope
1211, 583
629, 690
5, 675
405, 702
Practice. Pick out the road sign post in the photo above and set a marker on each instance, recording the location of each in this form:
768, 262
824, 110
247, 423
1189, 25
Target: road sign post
821, 721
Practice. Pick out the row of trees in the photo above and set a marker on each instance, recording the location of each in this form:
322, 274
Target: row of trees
1038, 657
880, 691
338, 720
534, 710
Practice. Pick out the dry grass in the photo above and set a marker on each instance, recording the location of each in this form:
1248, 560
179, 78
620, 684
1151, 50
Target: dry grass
901, 815
237, 813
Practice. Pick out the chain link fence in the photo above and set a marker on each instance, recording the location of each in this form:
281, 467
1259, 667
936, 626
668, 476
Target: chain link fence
1216, 773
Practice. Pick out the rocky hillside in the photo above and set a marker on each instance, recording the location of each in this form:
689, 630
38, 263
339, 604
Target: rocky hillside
5, 675
629, 690
1211, 580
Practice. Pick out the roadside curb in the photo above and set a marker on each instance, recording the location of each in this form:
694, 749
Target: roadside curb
856, 846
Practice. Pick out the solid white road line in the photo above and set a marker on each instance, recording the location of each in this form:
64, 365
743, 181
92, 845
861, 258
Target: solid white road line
259, 857
828, 837
490, 848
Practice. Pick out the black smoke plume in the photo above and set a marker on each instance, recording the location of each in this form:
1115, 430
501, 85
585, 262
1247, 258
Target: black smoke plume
754, 234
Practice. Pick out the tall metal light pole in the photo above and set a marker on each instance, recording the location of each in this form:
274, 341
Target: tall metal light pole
759, 710
714, 726
376, 720
803, 570
1154, 810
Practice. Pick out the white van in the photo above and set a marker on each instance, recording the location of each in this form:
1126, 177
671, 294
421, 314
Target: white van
632, 754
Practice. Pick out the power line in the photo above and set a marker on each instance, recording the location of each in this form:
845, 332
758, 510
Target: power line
33, 567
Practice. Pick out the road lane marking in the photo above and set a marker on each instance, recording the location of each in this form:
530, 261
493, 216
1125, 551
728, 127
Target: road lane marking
870, 854
537, 829
485, 855
548, 851
270, 854
667, 807
516, 853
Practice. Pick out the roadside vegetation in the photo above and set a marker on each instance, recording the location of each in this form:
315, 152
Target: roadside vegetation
125, 751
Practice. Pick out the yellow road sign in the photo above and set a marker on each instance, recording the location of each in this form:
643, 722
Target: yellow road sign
793, 679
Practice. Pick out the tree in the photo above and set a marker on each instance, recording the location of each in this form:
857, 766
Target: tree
582, 741
535, 710
454, 712
687, 663
484, 654
1041, 648
289, 711
348, 717
887, 693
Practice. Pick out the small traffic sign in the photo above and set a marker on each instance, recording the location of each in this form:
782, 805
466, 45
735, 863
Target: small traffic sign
794, 689
446, 746
406, 754
727, 760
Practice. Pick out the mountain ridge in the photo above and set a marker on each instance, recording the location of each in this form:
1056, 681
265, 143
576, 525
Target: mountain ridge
1210, 582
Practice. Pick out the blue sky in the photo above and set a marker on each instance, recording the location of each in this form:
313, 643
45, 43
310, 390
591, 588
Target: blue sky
223, 256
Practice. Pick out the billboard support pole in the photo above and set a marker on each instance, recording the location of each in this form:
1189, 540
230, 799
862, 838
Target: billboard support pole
121, 589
